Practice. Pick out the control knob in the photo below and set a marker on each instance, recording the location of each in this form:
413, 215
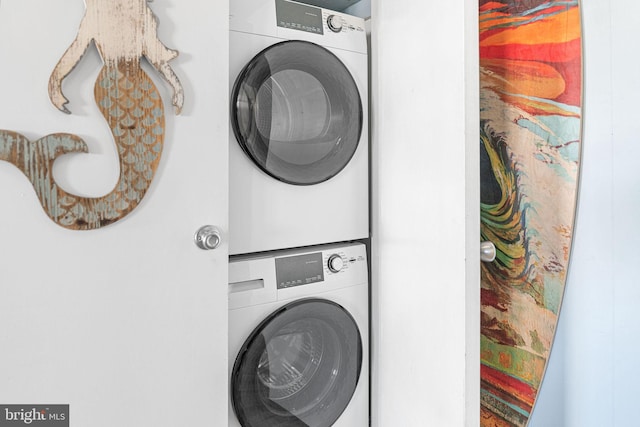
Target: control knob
335, 263
335, 23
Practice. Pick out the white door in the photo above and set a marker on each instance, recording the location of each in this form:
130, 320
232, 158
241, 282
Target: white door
128, 323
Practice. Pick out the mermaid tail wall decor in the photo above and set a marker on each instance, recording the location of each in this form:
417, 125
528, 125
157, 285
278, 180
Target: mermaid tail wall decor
530, 143
123, 31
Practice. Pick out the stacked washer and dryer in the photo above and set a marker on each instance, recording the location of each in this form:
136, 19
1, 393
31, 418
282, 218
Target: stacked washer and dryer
299, 201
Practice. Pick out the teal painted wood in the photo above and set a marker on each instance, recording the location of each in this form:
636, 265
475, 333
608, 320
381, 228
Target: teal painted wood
129, 102
133, 108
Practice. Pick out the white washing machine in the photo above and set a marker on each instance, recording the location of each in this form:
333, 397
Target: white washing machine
299, 140
298, 338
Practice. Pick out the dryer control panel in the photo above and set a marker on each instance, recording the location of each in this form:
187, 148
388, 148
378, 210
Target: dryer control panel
302, 17
299, 16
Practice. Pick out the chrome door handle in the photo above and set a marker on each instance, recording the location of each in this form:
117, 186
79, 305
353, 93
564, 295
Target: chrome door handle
487, 252
208, 237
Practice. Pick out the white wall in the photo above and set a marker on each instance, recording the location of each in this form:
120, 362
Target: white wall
127, 324
425, 213
593, 367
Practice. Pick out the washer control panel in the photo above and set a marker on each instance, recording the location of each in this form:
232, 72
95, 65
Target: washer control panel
295, 273
334, 263
299, 270
341, 261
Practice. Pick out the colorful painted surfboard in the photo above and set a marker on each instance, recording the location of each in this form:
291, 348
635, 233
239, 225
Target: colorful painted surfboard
530, 142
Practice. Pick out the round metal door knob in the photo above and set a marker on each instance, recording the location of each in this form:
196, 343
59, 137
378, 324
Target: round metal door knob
208, 237
487, 252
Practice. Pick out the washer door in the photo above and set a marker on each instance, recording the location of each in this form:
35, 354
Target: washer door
296, 112
300, 367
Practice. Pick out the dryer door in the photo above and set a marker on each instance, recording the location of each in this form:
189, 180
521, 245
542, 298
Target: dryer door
300, 367
296, 112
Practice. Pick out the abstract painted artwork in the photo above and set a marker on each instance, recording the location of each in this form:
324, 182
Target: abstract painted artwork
530, 143
123, 31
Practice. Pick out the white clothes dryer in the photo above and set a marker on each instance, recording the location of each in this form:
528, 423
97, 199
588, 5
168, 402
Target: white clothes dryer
299, 338
299, 126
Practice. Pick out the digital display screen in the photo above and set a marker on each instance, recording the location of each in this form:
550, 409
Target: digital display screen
299, 17
299, 270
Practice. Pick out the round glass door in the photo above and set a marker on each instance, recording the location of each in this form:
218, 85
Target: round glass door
300, 367
296, 112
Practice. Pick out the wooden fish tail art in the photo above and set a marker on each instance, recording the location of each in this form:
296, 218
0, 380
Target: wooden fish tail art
530, 144
129, 102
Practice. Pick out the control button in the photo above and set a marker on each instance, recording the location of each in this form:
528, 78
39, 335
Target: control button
335, 23
335, 263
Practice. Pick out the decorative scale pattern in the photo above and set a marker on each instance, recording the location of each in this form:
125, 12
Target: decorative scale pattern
136, 118
123, 31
